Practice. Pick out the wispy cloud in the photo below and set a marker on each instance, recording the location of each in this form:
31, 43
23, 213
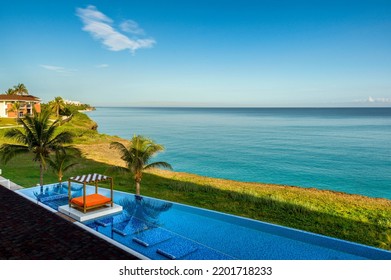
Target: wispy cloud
372, 100
57, 69
130, 26
101, 28
102, 65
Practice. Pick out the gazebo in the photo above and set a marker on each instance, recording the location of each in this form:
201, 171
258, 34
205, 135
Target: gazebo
87, 202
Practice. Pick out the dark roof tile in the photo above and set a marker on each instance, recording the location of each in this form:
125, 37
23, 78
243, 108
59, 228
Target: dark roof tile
29, 231
7, 97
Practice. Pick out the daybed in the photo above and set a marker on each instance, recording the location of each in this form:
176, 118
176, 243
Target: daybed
87, 202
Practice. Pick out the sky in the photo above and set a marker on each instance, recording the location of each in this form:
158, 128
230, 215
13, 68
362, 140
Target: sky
263, 53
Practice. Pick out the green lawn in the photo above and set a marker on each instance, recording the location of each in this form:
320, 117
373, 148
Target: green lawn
4, 122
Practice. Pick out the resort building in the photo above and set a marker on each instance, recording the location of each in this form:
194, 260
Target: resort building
71, 102
13, 106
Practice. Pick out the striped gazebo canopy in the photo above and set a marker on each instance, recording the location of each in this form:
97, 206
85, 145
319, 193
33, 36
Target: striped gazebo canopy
90, 178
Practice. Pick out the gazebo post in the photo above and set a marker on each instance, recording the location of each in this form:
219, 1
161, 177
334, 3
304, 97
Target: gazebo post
111, 190
96, 187
69, 192
84, 198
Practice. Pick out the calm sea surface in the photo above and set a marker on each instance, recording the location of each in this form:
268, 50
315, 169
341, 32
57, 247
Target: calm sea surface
344, 149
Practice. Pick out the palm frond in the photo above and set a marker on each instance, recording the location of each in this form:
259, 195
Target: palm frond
16, 135
158, 164
72, 151
60, 139
124, 152
9, 151
61, 162
119, 169
153, 149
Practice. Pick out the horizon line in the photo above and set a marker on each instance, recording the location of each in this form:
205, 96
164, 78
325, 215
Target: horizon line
243, 107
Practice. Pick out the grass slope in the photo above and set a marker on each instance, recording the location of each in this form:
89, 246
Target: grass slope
350, 217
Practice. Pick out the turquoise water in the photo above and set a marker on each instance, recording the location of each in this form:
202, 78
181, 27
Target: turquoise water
341, 149
163, 230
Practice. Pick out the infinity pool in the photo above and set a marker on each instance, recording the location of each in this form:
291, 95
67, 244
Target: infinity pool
161, 230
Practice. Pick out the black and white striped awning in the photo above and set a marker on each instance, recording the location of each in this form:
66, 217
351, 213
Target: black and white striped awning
90, 178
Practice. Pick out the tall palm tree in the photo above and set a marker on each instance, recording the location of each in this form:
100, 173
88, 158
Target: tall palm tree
57, 104
21, 89
137, 157
38, 136
60, 163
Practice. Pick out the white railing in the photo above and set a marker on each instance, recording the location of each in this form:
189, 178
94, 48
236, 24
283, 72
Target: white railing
2, 179
8, 183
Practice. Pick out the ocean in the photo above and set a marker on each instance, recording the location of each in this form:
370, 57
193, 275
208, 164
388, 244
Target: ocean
340, 149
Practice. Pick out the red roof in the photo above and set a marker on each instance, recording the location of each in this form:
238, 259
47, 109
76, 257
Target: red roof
7, 97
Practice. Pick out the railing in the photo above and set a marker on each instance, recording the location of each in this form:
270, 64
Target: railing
2, 179
8, 183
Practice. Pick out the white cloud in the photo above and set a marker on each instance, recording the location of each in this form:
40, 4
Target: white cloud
100, 27
371, 99
102, 65
132, 27
57, 69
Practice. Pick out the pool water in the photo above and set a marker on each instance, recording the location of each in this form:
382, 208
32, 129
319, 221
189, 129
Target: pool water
162, 230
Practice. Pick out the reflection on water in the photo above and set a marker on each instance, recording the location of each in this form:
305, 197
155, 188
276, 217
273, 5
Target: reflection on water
142, 213
57, 190
139, 215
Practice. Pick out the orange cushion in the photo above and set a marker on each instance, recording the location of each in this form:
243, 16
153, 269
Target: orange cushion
91, 200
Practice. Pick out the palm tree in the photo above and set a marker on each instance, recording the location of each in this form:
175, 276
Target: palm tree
15, 107
137, 157
10, 91
57, 104
21, 89
38, 136
60, 163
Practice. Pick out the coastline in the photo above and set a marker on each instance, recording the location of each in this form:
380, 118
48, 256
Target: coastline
328, 149
99, 153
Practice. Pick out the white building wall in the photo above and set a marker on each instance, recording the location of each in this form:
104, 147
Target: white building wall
3, 108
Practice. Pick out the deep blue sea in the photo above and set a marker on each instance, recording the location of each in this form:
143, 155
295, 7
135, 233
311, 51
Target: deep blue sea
341, 149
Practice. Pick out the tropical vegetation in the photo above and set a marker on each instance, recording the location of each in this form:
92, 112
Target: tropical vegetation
57, 104
38, 137
137, 157
15, 107
19, 89
61, 162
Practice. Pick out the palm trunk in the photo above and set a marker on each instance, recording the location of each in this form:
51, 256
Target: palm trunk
137, 187
41, 174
